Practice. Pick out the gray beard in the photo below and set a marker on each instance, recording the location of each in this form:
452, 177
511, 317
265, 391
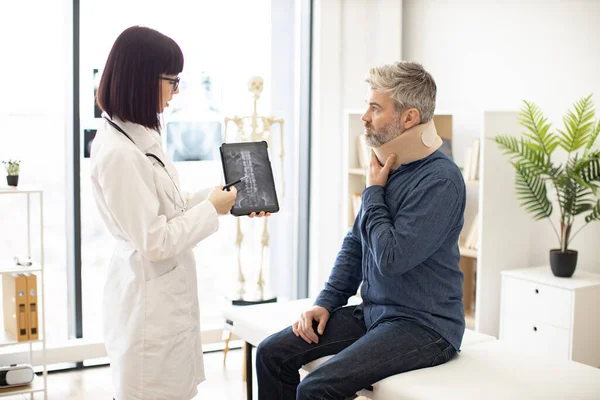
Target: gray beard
392, 131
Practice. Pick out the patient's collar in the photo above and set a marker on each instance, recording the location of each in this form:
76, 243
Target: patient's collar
413, 144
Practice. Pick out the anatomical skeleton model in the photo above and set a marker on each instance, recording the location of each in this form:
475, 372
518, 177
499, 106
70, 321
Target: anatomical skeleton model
254, 128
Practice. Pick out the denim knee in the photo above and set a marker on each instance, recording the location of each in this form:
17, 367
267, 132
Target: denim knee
270, 351
308, 391
315, 388
263, 352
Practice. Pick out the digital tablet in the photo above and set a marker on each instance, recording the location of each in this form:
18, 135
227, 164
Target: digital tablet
250, 161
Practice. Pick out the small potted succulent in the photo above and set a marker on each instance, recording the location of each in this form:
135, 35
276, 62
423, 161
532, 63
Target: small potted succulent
12, 172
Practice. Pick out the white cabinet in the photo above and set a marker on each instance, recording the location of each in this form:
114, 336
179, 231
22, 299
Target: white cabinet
558, 316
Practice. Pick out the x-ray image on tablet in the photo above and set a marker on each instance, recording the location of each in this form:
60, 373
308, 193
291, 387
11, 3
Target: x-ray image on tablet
250, 160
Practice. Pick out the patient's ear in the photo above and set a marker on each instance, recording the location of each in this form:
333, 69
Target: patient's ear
410, 117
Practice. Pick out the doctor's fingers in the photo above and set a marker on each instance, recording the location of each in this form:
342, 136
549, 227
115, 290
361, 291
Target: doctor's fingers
232, 195
261, 214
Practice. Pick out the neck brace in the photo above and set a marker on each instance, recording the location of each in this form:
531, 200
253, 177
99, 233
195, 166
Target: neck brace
413, 144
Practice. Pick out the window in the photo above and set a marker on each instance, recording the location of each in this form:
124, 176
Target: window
222, 50
224, 43
33, 109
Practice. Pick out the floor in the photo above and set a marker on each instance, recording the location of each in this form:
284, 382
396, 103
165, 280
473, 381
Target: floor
94, 383
222, 383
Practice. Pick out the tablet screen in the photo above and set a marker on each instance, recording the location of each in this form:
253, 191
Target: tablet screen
256, 192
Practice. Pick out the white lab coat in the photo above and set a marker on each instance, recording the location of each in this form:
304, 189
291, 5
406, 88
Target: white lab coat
151, 317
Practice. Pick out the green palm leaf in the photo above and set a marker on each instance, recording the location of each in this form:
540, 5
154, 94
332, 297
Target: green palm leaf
578, 124
567, 192
595, 214
581, 199
526, 153
589, 167
509, 145
581, 208
531, 191
593, 136
531, 117
535, 157
586, 171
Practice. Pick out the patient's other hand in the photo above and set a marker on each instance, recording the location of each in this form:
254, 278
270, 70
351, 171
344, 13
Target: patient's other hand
304, 326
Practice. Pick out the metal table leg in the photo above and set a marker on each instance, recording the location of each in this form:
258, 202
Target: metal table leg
248, 348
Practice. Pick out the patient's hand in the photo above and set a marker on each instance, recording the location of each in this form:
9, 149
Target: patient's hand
304, 326
378, 174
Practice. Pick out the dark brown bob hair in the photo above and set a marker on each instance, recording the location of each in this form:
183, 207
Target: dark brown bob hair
129, 87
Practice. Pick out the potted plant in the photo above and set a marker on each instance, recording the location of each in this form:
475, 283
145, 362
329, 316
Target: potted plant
574, 182
12, 172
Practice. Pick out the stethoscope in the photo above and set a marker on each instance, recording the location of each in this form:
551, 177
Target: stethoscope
162, 164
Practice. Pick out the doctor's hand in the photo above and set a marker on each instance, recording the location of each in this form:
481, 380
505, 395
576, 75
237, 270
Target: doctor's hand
304, 326
222, 200
259, 215
377, 174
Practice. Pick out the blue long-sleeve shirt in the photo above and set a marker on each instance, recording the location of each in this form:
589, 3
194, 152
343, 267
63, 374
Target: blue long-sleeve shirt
403, 247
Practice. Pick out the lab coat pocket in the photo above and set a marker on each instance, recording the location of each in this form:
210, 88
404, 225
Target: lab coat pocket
167, 304
157, 269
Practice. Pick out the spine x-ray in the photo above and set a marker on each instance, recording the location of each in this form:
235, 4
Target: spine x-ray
250, 161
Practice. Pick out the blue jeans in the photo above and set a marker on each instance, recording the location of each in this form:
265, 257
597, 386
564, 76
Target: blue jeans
362, 358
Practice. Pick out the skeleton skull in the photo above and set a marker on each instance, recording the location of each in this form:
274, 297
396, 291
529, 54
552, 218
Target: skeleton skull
255, 85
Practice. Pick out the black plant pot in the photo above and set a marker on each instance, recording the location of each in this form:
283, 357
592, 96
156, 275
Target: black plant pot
563, 264
12, 180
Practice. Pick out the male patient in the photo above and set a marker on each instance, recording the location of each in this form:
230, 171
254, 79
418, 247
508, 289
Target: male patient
403, 248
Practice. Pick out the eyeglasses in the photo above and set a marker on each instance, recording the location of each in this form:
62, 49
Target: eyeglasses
174, 81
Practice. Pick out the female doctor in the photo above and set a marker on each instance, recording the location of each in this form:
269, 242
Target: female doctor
151, 319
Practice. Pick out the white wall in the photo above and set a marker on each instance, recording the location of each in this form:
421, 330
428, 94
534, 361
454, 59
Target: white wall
499, 209
488, 55
349, 37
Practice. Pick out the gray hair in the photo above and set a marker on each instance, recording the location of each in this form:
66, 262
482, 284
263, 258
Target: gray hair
408, 84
